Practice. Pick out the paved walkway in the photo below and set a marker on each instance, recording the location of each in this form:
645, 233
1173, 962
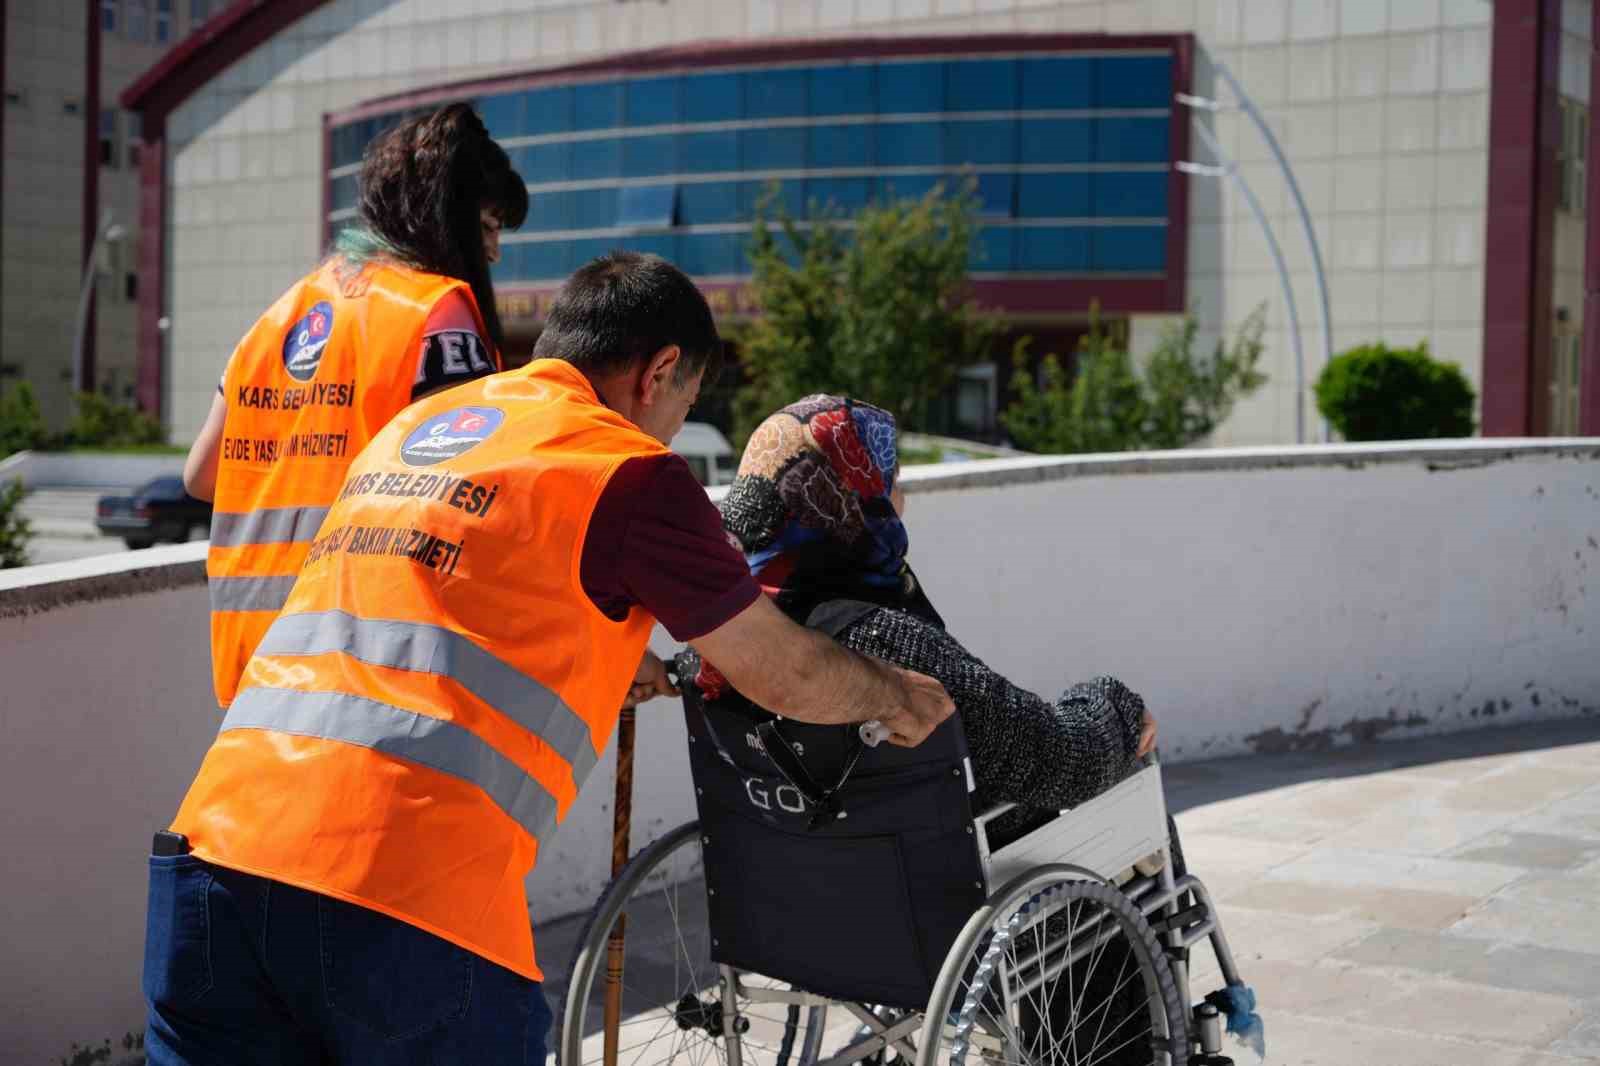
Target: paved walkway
1411, 903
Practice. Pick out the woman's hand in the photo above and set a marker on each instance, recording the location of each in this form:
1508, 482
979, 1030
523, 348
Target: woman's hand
1147, 736
649, 681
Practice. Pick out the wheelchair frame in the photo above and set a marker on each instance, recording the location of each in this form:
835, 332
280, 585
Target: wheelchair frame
1118, 838
1106, 833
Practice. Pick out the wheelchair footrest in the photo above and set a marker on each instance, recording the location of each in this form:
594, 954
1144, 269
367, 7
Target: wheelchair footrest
1195, 912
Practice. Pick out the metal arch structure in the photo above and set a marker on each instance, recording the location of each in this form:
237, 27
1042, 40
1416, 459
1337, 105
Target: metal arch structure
1248, 107
1227, 168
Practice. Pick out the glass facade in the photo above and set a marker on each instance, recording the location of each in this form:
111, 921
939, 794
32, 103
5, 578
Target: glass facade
1069, 151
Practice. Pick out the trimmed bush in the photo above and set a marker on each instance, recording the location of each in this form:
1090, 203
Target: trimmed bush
21, 425
1375, 392
14, 528
103, 423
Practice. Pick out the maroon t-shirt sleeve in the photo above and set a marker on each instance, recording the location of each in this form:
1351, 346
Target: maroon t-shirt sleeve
656, 541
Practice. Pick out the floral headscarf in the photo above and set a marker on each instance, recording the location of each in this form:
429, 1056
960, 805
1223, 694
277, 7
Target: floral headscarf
812, 494
810, 509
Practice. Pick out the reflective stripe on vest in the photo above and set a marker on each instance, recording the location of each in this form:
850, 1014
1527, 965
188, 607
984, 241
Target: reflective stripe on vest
431, 649
432, 742
270, 525
250, 593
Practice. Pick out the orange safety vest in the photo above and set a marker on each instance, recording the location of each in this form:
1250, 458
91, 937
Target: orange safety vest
422, 714
316, 377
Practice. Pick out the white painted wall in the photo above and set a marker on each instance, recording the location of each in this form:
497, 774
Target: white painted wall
1382, 107
1257, 598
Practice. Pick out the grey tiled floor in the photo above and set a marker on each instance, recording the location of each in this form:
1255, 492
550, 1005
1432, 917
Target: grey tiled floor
1432, 901
1427, 901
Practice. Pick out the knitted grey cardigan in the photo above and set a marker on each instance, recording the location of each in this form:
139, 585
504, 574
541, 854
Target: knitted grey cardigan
1025, 749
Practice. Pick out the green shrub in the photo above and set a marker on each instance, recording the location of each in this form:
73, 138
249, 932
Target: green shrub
1375, 392
14, 528
1105, 404
103, 423
21, 425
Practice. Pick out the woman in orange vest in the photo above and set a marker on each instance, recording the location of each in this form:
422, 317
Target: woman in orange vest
401, 309
344, 882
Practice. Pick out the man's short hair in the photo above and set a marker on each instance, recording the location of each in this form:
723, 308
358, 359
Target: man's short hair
620, 309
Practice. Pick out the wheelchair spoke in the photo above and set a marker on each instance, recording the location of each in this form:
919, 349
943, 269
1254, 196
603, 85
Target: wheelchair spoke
677, 931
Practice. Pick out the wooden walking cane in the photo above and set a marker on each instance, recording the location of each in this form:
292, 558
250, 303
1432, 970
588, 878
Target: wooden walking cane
622, 815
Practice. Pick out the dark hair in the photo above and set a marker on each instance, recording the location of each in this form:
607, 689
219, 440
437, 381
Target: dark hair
423, 185
620, 309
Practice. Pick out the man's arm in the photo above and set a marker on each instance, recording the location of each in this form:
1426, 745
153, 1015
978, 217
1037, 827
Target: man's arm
801, 674
200, 468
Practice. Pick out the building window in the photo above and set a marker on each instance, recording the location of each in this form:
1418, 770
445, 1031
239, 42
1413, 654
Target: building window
163, 21
1573, 156
199, 11
71, 105
108, 137
1566, 374
130, 286
138, 20
16, 98
108, 15
648, 207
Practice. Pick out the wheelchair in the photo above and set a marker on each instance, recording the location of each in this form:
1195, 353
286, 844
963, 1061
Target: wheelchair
881, 919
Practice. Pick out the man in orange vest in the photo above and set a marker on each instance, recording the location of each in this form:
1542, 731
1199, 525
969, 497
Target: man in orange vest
401, 309
344, 881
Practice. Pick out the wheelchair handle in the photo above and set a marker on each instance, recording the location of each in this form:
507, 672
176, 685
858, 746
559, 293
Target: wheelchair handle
873, 733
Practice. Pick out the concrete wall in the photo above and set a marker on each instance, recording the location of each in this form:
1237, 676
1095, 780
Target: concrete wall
1382, 107
1261, 600
86, 470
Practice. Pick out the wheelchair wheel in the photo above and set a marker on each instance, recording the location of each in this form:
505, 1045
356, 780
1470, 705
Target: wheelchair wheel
673, 1006
1058, 969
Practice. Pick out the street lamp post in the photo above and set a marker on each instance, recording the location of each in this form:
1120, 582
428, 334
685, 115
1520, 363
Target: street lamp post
1226, 168
1246, 105
108, 233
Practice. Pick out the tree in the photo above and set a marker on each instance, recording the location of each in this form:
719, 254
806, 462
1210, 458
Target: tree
1105, 404
14, 527
21, 425
875, 307
1375, 392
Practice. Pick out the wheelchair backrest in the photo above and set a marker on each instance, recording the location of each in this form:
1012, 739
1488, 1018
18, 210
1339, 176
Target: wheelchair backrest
863, 906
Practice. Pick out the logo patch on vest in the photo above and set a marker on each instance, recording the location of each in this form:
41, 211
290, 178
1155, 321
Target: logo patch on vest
449, 434
302, 348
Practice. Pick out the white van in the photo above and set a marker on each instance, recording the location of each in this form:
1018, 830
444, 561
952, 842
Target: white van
707, 451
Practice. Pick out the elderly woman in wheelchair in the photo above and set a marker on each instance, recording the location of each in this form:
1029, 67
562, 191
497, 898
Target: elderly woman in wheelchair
1010, 891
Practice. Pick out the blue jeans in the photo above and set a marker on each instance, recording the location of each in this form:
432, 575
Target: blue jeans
241, 970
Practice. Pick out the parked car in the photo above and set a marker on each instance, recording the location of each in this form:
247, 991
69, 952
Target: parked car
159, 510
707, 451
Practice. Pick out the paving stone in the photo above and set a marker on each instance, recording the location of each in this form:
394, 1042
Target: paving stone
1453, 1009
1519, 788
1530, 849
1401, 908
1583, 1039
1567, 926
1524, 967
1295, 1040
1322, 989
1421, 827
1256, 935
1228, 864
1581, 825
1369, 868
